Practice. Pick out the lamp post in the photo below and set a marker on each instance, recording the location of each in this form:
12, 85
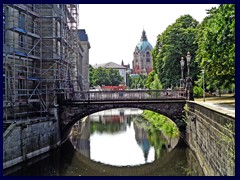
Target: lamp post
189, 79
203, 87
182, 62
188, 57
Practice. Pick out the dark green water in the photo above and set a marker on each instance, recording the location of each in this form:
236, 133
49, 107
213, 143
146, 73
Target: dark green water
117, 143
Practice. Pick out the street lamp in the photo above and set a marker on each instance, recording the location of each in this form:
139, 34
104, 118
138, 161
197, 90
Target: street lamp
188, 57
182, 62
189, 79
203, 87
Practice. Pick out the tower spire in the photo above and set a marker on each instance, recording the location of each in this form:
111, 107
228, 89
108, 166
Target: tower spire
144, 37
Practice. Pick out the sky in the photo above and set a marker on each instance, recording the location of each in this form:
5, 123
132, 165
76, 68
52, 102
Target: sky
114, 30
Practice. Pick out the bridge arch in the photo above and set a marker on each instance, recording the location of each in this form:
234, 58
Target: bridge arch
72, 112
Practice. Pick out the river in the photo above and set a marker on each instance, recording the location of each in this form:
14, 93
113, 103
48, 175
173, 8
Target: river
117, 142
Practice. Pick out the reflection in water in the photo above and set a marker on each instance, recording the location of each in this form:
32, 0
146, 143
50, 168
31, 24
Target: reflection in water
80, 137
73, 158
118, 138
142, 140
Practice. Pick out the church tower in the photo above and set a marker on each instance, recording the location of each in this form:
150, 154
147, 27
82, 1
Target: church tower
142, 58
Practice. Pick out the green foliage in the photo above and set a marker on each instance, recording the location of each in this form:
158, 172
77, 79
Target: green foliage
156, 84
175, 42
162, 123
149, 79
107, 77
197, 91
137, 82
114, 77
216, 47
111, 128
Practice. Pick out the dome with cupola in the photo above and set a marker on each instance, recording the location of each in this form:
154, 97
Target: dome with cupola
144, 45
142, 58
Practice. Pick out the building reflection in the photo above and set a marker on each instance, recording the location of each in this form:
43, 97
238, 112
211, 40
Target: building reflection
80, 137
141, 137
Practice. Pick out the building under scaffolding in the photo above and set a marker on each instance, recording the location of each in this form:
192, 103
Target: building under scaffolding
42, 58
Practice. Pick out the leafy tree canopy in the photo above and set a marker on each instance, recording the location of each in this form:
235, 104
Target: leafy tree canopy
107, 77
216, 47
173, 44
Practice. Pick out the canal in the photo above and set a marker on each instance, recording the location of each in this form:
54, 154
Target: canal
114, 142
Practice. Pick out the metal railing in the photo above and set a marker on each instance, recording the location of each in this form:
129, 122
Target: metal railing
129, 95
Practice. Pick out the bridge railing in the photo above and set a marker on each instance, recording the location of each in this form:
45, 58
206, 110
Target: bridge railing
129, 95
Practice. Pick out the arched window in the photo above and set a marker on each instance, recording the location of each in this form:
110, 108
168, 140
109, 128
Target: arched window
148, 54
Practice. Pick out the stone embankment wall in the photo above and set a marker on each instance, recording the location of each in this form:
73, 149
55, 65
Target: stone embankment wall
211, 134
24, 140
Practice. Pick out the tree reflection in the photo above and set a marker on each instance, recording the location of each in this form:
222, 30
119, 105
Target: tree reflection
147, 135
110, 124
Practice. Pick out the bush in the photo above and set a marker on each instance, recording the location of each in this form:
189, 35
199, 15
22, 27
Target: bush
161, 122
197, 91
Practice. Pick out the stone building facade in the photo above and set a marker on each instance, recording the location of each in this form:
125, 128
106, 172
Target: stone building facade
84, 66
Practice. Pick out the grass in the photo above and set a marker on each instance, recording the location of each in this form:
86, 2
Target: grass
225, 99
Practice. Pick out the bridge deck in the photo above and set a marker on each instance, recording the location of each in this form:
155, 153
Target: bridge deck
130, 95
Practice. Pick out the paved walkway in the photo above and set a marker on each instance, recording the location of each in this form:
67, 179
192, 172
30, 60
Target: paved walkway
223, 108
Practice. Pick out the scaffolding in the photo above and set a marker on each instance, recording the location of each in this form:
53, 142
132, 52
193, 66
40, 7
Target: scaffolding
41, 51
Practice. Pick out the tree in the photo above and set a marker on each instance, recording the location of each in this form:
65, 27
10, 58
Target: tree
173, 44
216, 47
100, 77
149, 79
107, 77
137, 81
156, 84
114, 77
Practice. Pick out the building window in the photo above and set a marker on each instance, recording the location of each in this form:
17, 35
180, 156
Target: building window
21, 21
21, 85
33, 7
148, 54
21, 41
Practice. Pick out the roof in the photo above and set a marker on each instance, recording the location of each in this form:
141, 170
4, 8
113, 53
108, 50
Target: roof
82, 35
143, 45
109, 65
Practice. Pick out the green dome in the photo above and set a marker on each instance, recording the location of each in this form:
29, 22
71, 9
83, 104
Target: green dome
144, 45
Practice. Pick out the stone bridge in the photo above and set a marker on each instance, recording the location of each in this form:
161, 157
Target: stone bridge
167, 102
